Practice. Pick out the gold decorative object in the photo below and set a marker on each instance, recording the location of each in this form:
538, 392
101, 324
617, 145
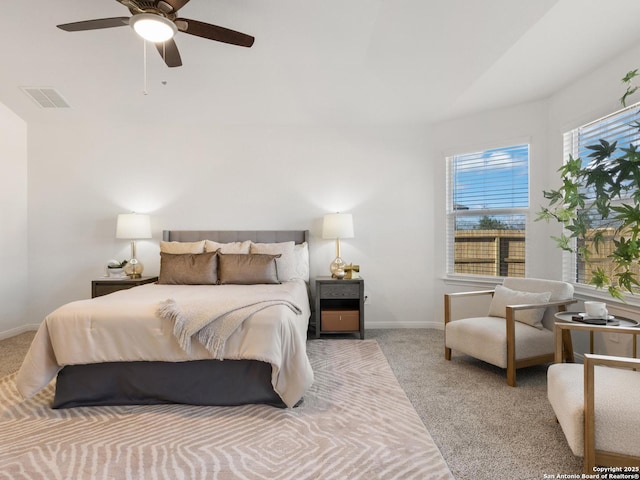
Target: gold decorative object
352, 271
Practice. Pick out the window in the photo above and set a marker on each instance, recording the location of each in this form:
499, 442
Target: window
488, 204
618, 127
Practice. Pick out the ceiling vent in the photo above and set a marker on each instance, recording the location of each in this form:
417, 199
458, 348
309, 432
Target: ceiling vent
46, 97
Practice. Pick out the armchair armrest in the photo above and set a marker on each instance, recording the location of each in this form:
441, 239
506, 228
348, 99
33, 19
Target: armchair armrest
450, 296
590, 361
469, 294
527, 306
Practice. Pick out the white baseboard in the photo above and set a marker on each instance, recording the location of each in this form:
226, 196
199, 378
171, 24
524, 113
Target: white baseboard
434, 325
18, 330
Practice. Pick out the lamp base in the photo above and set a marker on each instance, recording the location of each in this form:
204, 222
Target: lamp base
134, 268
337, 268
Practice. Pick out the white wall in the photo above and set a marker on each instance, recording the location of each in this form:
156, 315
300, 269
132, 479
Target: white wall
211, 177
13, 223
81, 175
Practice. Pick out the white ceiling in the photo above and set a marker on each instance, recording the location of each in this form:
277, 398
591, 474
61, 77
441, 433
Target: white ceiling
313, 61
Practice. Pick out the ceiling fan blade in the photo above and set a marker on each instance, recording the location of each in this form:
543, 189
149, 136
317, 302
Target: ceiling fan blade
169, 53
95, 24
171, 6
213, 32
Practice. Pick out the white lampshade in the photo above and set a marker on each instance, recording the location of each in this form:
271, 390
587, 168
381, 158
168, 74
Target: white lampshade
133, 225
154, 28
337, 225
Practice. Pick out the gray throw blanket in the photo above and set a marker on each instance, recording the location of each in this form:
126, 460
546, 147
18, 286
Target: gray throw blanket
211, 322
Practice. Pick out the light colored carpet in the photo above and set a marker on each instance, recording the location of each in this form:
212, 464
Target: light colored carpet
12, 352
355, 423
485, 429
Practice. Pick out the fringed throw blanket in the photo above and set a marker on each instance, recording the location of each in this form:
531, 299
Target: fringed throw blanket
212, 321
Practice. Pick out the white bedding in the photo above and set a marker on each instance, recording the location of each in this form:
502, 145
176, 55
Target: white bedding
124, 326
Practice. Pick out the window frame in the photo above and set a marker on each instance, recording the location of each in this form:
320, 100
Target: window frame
452, 213
571, 145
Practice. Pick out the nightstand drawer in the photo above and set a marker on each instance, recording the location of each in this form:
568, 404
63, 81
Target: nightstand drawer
340, 290
106, 286
340, 320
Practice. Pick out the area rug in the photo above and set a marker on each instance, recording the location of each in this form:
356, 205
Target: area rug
355, 423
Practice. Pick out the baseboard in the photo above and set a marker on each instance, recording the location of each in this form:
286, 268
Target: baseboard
433, 325
18, 330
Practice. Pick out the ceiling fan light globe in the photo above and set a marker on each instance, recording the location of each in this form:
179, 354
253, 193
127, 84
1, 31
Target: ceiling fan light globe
153, 28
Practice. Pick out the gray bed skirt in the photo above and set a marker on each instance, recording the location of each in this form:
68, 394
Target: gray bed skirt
201, 382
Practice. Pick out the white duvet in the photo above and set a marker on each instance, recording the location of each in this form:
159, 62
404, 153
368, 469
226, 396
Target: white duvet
124, 326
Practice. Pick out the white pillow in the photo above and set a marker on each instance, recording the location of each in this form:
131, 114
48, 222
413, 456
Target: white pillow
286, 261
301, 261
504, 296
231, 247
178, 248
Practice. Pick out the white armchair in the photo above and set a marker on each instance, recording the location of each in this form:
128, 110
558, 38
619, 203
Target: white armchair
517, 331
598, 409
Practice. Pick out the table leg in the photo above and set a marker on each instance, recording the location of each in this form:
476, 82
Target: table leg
567, 346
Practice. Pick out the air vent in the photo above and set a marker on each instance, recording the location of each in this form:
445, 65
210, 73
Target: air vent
46, 97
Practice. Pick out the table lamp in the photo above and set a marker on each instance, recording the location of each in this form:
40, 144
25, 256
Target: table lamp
337, 226
133, 226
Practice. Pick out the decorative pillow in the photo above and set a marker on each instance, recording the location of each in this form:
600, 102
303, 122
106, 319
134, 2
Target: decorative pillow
301, 261
182, 247
246, 269
504, 296
286, 260
188, 268
231, 247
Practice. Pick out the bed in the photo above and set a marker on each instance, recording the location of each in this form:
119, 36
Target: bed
156, 343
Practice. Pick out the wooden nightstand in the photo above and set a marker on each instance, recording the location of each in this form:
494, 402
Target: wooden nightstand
109, 285
339, 306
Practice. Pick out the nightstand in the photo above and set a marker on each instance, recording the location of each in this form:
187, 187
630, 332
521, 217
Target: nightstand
339, 306
108, 285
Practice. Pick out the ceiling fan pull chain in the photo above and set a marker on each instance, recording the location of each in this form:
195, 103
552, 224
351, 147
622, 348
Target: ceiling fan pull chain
144, 54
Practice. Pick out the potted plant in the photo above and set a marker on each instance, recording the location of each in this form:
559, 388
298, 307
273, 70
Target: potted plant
605, 186
115, 268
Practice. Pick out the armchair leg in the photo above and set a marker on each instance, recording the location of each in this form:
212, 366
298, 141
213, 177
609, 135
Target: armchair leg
511, 375
447, 353
511, 347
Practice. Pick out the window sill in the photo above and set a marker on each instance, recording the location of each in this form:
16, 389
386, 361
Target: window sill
586, 292
472, 281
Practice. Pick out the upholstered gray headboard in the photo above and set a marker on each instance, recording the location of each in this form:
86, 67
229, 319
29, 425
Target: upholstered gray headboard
225, 236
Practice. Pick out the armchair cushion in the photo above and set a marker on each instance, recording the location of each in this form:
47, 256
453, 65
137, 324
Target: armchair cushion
559, 291
617, 409
484, 338
504, 296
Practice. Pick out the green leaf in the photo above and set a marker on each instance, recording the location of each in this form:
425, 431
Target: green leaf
554, 196
563, 242
627, 281
630, 91
599, 278
616, 293
630, 75
598, 239
602, 151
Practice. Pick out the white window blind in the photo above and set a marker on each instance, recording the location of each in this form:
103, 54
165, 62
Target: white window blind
488, 203
617, 127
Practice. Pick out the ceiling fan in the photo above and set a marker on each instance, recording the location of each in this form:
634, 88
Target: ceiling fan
158, 21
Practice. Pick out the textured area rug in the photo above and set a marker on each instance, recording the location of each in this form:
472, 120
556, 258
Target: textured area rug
355, 423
